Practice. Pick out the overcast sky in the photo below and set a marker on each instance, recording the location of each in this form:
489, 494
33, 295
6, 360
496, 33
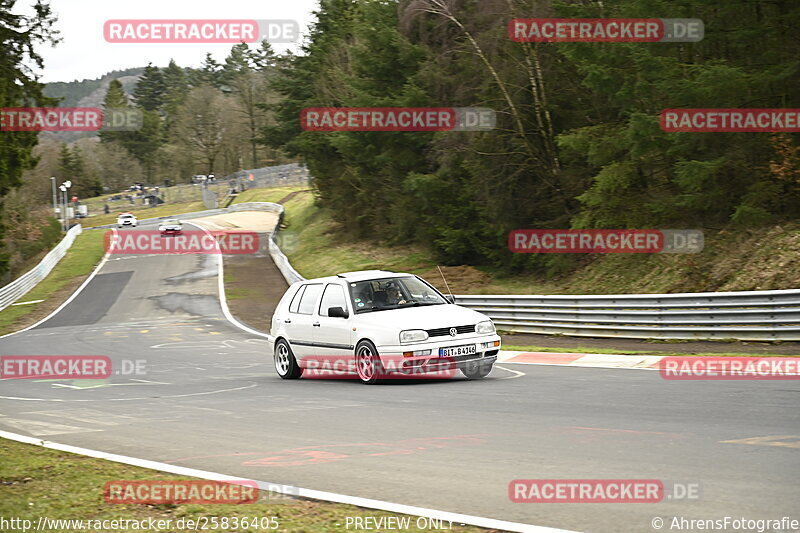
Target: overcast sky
84, 53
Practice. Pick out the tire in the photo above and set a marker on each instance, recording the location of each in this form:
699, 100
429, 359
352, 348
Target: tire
285, 364
368, 363
476, 369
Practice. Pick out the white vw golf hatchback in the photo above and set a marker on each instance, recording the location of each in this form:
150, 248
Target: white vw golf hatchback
379, 324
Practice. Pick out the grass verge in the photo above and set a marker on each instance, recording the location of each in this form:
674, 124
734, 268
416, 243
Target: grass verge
39, 482
268, 194
81, 258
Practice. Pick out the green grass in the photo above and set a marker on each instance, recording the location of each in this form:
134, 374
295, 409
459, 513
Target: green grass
81, 258
39, 482
235, 293
514, 348
316, 251
268, 194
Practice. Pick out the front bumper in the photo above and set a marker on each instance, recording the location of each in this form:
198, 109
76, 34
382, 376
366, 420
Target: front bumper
395, 358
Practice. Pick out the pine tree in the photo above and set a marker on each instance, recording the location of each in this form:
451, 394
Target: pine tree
210, 73
115, 99
150, 89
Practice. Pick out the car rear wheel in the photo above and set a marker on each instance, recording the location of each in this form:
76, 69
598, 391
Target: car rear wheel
285, 364
476, 369
368, 363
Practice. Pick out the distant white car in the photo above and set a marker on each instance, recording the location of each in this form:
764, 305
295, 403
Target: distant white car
379, 323
170, 226
126, 219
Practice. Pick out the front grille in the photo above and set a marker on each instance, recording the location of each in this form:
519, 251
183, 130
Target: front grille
441, 332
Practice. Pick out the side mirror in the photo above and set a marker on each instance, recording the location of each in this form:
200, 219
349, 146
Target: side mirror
450, 298
337, 312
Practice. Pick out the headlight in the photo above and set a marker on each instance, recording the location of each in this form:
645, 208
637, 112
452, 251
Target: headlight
413, 335
484, 328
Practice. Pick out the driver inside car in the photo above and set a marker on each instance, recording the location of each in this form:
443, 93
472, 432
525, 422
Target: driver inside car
393, 295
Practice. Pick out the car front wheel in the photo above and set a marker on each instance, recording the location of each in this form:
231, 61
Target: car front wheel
285, 364
368, 363
476, 369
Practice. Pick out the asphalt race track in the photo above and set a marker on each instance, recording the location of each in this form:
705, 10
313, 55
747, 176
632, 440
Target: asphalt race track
210, 399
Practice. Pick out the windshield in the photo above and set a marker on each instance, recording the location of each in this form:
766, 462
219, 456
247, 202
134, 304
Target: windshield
392, 293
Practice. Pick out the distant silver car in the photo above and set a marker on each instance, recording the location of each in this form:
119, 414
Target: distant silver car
171, 226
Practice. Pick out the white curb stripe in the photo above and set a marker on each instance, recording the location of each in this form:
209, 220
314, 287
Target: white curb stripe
456, 518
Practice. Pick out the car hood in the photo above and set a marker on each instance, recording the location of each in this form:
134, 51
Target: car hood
424, 317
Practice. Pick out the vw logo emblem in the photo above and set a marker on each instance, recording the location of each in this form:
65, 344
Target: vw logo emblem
453, 332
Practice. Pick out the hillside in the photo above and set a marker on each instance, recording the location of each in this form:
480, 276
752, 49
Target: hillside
88, 93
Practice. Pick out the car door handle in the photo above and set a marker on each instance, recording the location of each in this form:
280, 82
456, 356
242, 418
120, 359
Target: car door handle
287, 321
315, 324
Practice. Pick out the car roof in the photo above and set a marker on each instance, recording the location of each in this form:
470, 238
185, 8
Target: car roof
361, 275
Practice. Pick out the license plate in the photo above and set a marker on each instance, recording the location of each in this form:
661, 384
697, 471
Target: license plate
454, 351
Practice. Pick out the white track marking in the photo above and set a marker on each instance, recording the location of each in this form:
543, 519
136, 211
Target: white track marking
289, 490
516, 373
28, 303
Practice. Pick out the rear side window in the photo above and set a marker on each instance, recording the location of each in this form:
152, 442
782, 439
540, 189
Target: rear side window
333, 297
308, 299
296, 300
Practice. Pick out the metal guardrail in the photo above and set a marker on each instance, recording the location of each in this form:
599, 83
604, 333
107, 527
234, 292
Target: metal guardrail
745, 315
20, 286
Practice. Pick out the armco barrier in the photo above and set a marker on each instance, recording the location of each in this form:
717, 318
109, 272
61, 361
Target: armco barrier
20, 286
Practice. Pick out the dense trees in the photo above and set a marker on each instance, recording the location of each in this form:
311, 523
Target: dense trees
19, 88
578, 142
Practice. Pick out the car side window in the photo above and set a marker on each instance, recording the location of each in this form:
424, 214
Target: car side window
296, 300
308, 299
332, 297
